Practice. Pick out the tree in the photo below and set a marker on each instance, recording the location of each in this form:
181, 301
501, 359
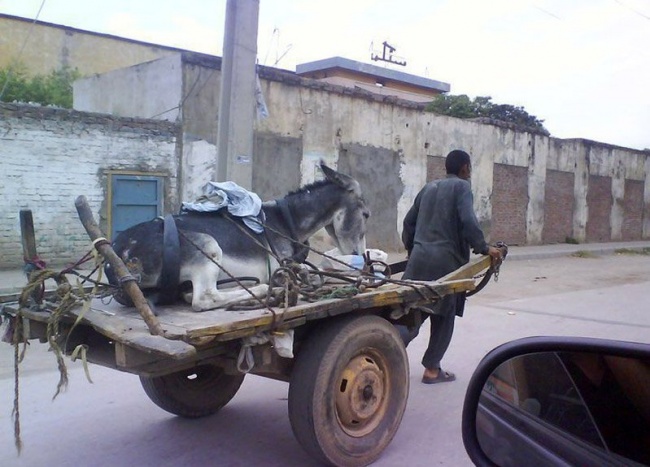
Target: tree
462, 106
54, 88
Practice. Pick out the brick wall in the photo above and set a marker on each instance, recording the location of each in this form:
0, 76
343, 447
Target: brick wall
558, 206
51, 156
633, 210
435, 168
509, 204
599, 203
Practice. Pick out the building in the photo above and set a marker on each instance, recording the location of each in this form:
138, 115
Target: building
384, 81
143, 138
49, 46
44, 47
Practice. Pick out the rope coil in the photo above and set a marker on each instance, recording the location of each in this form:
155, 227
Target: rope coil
66, 298
99, 242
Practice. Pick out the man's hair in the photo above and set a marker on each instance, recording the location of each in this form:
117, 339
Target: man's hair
456, 159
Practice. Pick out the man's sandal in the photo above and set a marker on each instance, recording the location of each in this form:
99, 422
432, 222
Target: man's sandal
443, 377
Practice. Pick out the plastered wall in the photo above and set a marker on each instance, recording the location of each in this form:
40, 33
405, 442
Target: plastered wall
51, 156
393, 147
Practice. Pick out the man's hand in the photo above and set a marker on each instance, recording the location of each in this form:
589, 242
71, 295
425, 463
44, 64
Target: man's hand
495, 253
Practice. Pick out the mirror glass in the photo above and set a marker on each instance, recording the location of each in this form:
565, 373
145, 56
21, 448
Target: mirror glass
582, 407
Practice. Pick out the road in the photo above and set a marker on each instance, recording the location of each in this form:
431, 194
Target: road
112, 423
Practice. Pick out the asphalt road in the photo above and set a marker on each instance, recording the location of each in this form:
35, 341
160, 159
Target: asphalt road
112, 423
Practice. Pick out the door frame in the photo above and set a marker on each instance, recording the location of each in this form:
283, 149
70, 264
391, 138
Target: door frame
109, 192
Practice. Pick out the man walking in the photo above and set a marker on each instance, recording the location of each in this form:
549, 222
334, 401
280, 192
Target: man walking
439, 230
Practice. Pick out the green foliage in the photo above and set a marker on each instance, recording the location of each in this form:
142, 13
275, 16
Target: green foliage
54, 88
633, 251
584, 254
482, 106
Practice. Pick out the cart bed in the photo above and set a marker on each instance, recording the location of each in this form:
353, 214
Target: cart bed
190, 335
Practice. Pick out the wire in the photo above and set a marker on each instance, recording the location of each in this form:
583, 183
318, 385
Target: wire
29, 33
632, 9
547, 12
189, 92
268, 50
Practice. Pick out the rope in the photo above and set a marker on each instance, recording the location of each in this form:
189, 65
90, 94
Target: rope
229, 274
67, 297
292, 240
305, 288
15, 413
366, 278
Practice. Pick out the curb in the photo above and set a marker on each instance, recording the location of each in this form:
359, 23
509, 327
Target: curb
557, 251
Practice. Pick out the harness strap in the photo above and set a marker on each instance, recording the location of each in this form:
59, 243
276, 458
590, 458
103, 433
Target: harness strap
284, 209
301, 249
171, 261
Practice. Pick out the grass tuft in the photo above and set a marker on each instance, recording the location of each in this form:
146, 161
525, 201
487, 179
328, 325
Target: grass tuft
633, 251
584, 254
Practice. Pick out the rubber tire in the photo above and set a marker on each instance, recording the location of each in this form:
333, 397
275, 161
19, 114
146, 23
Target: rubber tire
315, 382
208, 391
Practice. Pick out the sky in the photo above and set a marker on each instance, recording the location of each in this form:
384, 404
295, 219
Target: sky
582, 66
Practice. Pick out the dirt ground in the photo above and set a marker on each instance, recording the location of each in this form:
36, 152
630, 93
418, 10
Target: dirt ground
527, 278
585, 296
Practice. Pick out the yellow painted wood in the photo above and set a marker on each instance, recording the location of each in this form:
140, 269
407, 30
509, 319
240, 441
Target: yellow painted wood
209, 329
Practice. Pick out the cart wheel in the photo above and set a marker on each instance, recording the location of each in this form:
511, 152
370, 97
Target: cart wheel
192, 393
348, 390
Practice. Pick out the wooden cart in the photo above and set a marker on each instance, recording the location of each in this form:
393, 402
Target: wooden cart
348, 373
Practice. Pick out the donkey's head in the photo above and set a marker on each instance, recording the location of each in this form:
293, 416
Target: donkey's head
348, 226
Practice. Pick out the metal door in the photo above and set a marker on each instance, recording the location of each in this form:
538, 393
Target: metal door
135, 199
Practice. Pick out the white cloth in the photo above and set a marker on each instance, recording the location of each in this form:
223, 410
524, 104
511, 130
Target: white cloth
260, 103
352, 261
239, 201
282, 343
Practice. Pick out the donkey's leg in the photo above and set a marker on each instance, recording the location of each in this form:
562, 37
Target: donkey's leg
203, 273
206, 296
214, 298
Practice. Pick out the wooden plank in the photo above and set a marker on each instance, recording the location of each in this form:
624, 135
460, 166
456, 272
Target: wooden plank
30, 254
471, 269
27, 235
177, 350
211, 328
121, 271
133, 331
420, 292
128, 329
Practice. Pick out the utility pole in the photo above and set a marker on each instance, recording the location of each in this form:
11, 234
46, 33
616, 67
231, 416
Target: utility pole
237, 96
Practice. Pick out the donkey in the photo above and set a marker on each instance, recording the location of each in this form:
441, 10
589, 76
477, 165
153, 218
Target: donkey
214, 246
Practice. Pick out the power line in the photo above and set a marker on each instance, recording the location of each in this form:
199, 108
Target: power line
268, 50
547, 12
29, 33
632, 9
187, 95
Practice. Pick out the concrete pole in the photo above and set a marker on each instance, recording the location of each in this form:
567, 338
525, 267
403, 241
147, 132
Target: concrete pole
237, 96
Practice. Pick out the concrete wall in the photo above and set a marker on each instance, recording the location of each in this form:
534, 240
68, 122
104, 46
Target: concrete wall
276, 161
394, 147
51, 46
201, 89
51, 156
510, 167
377, 170
148, 90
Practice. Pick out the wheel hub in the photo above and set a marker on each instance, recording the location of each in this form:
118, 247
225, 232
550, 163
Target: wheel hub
361, 396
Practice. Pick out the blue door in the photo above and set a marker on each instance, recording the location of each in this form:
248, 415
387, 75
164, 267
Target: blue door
135, 199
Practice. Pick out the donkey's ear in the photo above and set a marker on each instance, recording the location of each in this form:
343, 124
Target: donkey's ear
342, 180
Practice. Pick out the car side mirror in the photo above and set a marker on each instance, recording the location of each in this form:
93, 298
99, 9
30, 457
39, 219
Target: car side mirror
560, 401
